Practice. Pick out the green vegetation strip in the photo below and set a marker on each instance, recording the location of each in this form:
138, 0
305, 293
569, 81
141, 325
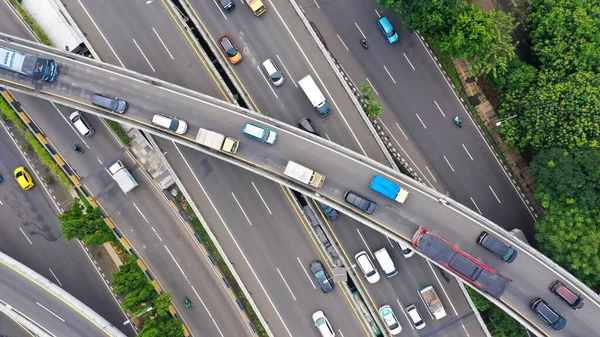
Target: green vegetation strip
116, 128
31, 22
9, 113
498, 322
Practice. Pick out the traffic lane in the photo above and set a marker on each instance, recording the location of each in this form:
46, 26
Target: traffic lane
484, 189
55, 316
161, 240
32, 235
145, 38
343, 125
274, 242
8, 327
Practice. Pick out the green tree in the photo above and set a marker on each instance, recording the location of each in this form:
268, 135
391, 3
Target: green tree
516, 79
131, 282
571, 177
163, 326
564, 36
89, 226
432, 18
562, 115
571, 237
482, 38
501, 324
371, 107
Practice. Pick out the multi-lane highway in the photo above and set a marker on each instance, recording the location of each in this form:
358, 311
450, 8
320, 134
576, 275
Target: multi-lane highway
77, 83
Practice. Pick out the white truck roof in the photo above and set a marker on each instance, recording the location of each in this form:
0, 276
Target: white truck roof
122, 176
299, 172
312, 91
433, 302
209, 138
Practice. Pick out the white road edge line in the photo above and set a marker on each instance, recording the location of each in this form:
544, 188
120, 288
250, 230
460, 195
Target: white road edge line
164, 45
286, 284
144, 55
261, 198
305, 272
250, 222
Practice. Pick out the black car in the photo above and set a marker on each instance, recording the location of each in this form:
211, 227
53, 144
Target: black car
359, 202
499, 248
316, 268
330, 213
227, 5
307, 125
551, 317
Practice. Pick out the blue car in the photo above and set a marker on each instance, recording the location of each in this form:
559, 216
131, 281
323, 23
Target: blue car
387, 30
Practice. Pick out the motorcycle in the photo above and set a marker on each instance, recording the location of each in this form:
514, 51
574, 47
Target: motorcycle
364, 43
188, 303
458, 122
76, 148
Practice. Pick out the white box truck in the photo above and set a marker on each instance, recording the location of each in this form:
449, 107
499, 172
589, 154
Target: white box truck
432, 302
122, 176
315, 96
217, 141
304, 174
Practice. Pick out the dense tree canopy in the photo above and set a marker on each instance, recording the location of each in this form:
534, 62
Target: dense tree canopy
562, 115
89, 226
564, 36
131, 282
432, 18
569, 177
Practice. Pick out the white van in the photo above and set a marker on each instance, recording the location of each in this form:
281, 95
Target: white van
386, 263
272, 72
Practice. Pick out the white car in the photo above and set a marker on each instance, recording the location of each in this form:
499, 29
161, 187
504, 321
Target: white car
322, 324
170, 123
406, 250
367, 267
415, 316
390, 319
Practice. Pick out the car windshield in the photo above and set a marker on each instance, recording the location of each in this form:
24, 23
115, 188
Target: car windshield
320, 275
320, 321
174, 125
275, 76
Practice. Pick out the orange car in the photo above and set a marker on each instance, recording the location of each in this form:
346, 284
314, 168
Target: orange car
230, 49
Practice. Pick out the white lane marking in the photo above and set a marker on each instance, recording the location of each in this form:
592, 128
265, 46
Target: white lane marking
406, 57
164, 45
464, 147
403, 151
25, 235
390, 75
420, 120
340, 330
206, 308
431, 174
342, 41
305, 272
71, 126
320, 81
286, 71
56, 278
449, 163
1, 203
286, 284
390, 241
404, 312
365, 242
378, 15
399, 128
316, 3
494, 194
142, 214
98, 159
176, 263
442, 286
155, 232
326, 135
473, 201
144, 55
372, 86
360, 30
261, 74
48, 310
464, 328
221, 10
237, 245
250, 222
492, 151
101, 34
438, 106
261, 198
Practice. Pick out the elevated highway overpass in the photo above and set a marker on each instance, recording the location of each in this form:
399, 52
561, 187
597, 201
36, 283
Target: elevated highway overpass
531, 273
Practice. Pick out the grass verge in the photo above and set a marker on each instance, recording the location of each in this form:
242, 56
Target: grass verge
31, 22
114, 126
210, 246
35, 144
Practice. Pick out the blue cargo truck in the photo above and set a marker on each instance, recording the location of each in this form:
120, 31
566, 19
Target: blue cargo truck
388, 189
39, 68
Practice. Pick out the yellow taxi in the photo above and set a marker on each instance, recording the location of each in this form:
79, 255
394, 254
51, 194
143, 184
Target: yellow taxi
23, 178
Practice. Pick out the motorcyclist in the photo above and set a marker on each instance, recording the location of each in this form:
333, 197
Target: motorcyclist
457, 121
364, 43
76, 148
188, 303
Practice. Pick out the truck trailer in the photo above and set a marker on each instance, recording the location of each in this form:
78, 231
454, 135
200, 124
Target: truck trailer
388, 189
432, 302
217, 141
32, 66
304, 174
315, 96
122, 176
